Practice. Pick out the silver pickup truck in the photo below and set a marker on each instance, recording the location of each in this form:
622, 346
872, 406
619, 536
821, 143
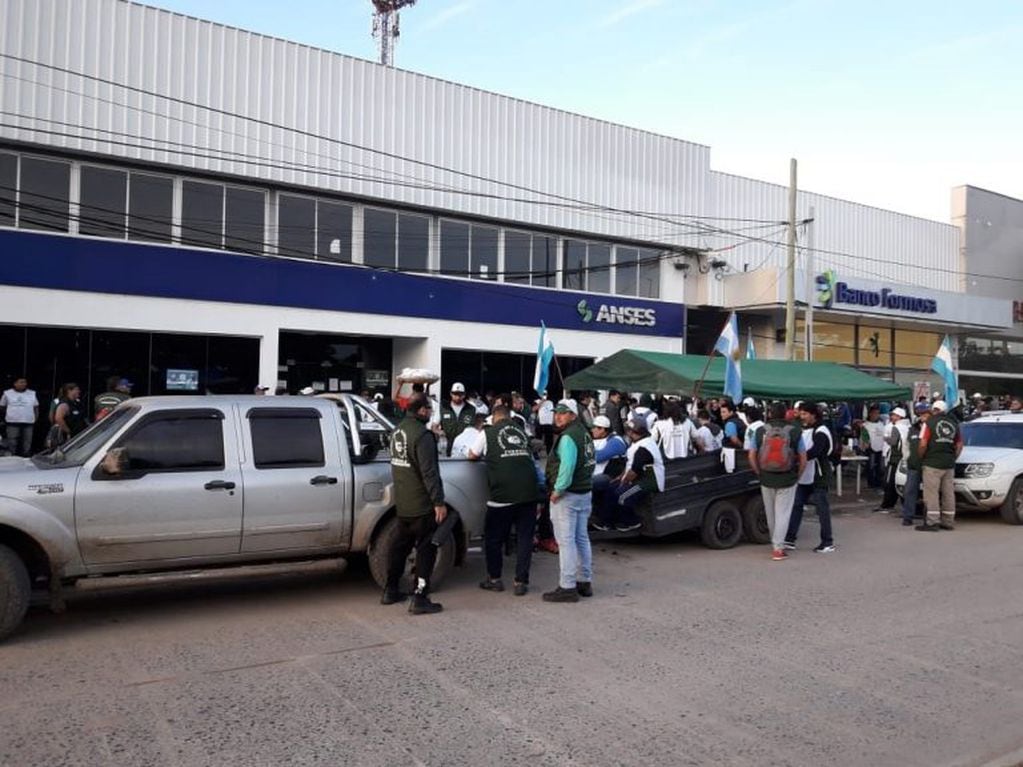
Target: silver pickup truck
192, 483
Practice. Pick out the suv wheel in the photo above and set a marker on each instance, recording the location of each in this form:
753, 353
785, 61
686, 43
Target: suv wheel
1012, 509
15, 589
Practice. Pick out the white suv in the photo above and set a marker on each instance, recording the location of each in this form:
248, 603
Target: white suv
989, 471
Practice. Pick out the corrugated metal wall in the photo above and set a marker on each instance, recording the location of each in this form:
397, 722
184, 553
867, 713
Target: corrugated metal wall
309, 117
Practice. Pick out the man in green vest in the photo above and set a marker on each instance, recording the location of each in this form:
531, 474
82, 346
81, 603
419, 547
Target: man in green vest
940, 445
914, 465
419, 500
456, 415
570, 481
514, 492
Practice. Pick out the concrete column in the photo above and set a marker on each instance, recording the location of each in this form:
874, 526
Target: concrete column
269, 349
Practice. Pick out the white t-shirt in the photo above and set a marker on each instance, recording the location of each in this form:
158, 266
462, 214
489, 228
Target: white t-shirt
875, 430
20, 405
707, 439
648, 443
674, 438
751, 433
545, 415
467, 441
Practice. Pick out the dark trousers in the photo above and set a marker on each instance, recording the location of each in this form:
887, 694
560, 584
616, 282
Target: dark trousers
618, 504
496, 529
818, 496
891, 495
875, 471
544, 526
19, 438
413, 532
911, 493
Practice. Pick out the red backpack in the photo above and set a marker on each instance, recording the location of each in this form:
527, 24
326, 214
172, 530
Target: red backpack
775, 454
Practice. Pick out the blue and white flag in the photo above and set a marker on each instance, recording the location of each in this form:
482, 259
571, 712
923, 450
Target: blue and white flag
729, 347
945, 367
544, 355
751, 352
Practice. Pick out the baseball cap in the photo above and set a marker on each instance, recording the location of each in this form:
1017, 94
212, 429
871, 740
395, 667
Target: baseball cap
920, 407
939, 405
978, 395
124, 383
458, 388
258, 388
638, 425
307, 391
602, 421
749, 402
567, 406
936, 395
899, 412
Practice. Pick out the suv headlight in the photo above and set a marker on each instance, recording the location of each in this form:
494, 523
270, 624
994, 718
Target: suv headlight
978, 470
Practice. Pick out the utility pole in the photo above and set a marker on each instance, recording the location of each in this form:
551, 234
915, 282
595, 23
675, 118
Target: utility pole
385, 26
790, 301
811, 282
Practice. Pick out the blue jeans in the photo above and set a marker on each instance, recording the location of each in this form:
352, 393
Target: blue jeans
875, 469
818, 496
575, 558
911, 493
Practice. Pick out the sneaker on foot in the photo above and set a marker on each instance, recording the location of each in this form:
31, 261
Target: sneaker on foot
492, 584
789, 546
825, 548
584, 588
926, 528
391, 597
420, 604
621, 528
561, 595
907, 522
778, 555
548, 544
597, 524
520, 589
946, 526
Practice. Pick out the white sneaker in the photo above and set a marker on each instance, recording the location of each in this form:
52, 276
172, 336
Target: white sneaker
822, 549
788, 546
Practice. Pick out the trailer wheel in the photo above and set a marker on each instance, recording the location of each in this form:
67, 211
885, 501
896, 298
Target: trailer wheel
722, 525
380, 551
754, 520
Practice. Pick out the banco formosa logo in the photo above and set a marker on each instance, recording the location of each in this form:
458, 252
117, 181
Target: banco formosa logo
584, 311
826, 288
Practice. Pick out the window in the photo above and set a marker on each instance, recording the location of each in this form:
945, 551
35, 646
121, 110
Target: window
484, 253
285, 438
574, 277
875, 347
915, 349
545, 261
626, 271
334, 236
184, 441
413, 242
8, 188
517, 246
379, 232
598, 259
454, 248
649, 273
296, 226
202, 214
103, 202
44, 194
150, 207
832, 342
244, 224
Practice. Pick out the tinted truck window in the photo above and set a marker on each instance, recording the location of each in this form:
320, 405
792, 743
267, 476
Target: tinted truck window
284, 438
170, 442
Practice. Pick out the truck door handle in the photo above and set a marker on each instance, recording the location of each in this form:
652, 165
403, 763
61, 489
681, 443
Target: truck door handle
219, 484
323, 479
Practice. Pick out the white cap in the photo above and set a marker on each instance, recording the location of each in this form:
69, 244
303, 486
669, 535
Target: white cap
571, 404
602, 421
936, 395
978, 395
458, 388
749, 402
307, 391
940, 405
899, 412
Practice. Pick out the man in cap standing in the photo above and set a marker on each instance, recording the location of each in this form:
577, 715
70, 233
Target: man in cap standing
118, 391
896, 434
456, 415
914, 467
940, 445
569, 474
613, 412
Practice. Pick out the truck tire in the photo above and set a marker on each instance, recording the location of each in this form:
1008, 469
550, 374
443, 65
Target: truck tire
379, 552
1012, 509
722, 525
754, 520
15, 589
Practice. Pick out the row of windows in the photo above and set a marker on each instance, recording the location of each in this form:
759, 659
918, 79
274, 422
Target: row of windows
36, 193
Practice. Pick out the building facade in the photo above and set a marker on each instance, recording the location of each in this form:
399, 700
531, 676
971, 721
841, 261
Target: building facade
201, 208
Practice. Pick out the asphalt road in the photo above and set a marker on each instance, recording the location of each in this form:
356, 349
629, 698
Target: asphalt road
902, 648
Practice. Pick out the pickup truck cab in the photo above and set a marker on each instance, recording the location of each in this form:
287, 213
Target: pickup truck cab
172, 483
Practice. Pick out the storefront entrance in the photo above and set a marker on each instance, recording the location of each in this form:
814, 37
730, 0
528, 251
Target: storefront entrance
501, 372
336, 363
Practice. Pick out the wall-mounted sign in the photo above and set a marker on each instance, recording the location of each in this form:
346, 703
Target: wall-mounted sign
830, 292
612, 314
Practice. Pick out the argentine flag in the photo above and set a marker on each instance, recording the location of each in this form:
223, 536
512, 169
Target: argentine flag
544, 355
945, 367
728, 346
751, 352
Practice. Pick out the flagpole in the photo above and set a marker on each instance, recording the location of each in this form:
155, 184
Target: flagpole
710, 358
557, 367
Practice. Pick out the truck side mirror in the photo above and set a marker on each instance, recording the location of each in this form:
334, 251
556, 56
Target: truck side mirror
115, 463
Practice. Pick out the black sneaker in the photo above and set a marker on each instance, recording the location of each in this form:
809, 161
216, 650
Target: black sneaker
628, 528
520, 589
825, 548
420, 604
946, 526
926, 528
907, 522
584, 588
561, 595
391, 597
492, 584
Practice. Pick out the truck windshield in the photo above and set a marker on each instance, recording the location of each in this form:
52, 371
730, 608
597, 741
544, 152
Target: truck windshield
81, 448
1008, 435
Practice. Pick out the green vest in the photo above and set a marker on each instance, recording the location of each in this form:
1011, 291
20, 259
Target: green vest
452, 424
582, 477
913, 461
410, 496
511, 473
941, 446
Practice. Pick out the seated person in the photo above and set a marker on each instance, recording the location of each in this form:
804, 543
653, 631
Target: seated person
709, 436
610, 452
643, 475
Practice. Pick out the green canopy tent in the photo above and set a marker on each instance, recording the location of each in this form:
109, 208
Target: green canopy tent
639, 371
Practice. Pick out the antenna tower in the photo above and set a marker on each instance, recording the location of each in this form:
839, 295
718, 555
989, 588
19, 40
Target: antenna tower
385, 26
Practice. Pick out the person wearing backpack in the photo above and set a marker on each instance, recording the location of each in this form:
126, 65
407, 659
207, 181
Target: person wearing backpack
778, 458
814, 479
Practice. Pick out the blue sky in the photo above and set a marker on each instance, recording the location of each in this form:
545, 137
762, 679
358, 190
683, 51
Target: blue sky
885, 103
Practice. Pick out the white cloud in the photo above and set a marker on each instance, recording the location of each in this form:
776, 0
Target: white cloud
629, 9
446, 15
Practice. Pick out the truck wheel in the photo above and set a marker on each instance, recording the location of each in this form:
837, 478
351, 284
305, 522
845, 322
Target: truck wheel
754, 520
15, 589
380, 549
722, 526
1012, 509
